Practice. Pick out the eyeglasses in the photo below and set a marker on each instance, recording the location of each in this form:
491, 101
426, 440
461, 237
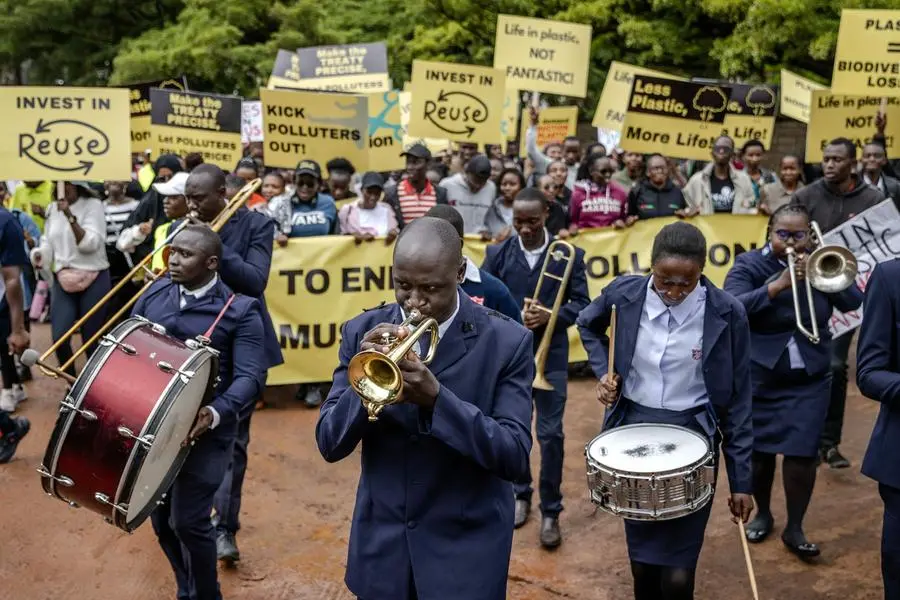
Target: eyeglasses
306, 184
722, 149
784, 235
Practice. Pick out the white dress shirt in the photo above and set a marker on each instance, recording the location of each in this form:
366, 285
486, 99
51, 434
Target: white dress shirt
667, 367
533, 256
794, 355
198, 293
442, 327
473, 273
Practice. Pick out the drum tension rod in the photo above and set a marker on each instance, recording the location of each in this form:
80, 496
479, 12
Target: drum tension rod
165, 367
108, 340
61, 479
146, 440
69, 404
104, 499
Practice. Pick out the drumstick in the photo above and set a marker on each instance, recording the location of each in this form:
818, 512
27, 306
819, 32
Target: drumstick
610, 371
747, 559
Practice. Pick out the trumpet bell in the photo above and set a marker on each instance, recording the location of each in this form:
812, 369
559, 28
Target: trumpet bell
375, 378
831, 269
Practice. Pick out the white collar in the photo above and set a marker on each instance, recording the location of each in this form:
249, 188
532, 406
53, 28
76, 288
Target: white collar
201, 291
877, 183
680, 312
442, 327
536, 251
473, 273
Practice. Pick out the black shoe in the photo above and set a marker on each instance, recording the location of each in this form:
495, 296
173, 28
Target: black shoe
10, 441
759, 528
523, 509
313, 397
226, 548
24, 373
835, 459
796, 543
551, 537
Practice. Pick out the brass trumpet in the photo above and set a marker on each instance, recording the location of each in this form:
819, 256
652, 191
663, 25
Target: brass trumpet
375, 376
829, 269
554, 252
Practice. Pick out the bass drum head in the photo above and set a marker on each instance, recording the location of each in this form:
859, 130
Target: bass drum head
647, 449
161, 464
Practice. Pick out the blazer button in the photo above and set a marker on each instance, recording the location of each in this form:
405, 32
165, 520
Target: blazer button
411, 524
413, 438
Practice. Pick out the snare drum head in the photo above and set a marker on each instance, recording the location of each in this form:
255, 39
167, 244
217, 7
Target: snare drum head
172, 431
647, 449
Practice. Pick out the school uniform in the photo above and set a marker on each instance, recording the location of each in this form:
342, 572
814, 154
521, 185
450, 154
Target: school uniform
878, 377
488, 291
791, 376
434, 507
687, 365
519, 270
182, 523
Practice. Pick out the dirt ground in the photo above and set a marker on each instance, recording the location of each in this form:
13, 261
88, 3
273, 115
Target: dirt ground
297, 514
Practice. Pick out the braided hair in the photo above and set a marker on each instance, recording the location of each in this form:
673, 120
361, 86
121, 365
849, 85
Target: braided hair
787, 209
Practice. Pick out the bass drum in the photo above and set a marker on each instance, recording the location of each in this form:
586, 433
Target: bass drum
117, 444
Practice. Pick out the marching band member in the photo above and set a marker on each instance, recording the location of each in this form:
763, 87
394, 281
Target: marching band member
682, 357
434, 507
192, 302
247, 240
791, 375
518, 262
878, 377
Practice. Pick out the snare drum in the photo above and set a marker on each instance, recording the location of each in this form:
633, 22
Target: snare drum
116, 447
650, 472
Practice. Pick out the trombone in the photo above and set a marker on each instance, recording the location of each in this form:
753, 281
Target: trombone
557, 251
375, 376
829, 269
230, 209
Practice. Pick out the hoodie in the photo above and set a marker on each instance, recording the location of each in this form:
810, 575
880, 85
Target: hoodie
829, 208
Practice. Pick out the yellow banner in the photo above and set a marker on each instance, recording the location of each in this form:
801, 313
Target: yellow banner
555, 123
867, 58
796, 95
751, 114
64, 133
613, 104
185, 122
385, 132
435, 145
316, 284
313, 125
462, 103
541, 55
852, 117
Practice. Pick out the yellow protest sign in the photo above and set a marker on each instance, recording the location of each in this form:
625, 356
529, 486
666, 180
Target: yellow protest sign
185, 122
334, 279
435, 145
542, 55
751, 113
867, 58
462, 103
610, 113
64, 133
140, 110
510, 115
680, 119
555, 123
796, 95
313, 125
385, 132
853, 117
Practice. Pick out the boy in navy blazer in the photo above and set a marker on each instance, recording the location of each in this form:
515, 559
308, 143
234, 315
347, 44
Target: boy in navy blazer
878, 377
434, 507
186, 305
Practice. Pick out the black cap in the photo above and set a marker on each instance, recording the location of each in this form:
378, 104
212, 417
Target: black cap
372, 179
308, 167
86, 188
417, 150
479, 165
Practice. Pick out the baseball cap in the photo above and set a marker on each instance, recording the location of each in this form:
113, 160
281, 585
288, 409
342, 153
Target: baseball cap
174, 186
417, 150
308, 167
479, 165
372, 179
86, 188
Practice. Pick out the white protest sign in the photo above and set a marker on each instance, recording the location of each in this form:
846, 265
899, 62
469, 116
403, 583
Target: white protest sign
251, 121
873, 236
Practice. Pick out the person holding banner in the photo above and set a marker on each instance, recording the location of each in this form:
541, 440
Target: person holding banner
791, 375
518, 263
597, 201
682, 357
719, 187
878, 377
434, 506
657, 196
778, 193
570, 150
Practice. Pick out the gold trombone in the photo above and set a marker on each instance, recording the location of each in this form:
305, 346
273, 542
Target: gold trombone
829, 269
231, 207
375, 376
556, 253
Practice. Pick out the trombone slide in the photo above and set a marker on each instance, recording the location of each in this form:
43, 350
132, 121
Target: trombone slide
555, 251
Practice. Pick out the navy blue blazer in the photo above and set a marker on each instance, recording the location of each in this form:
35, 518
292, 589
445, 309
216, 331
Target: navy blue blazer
492, 293
506, 261
238, 337
772, 321
878, 370
434, 493
726, 361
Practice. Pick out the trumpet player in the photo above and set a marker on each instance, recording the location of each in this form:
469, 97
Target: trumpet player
791, 373
518, 262
434, 506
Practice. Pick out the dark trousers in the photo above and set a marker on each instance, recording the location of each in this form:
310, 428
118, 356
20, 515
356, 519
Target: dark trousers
890, 541
550, 405
834, 420
67, 308
227, 500
182, 522
7, 361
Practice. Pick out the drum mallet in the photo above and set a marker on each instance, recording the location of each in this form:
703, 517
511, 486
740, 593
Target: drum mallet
610, 371
31, 357
750, 572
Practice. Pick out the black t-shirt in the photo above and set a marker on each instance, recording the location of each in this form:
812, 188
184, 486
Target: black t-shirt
722, 194
648, 202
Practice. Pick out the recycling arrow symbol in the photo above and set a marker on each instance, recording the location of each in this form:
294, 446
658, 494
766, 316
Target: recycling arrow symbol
64, 145
456, 113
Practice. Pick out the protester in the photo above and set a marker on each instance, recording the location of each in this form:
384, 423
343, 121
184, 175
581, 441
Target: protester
33, 198
472, 192
466, 152
593, 148
248, 170
435, 173
13, 259
273, 185
598, 201
367, 217
753, 153
416, 194
778, 193
308, 212
569, 151
657, 196
632, 172
496, 170
559, 172
150, 208
117, 208
719, 187
192, 160
340, 179
558, 223
498, 220
874, 160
